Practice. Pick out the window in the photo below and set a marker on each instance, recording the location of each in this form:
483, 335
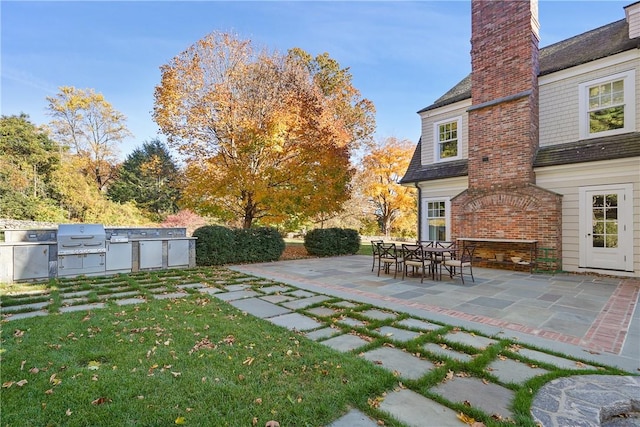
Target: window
435, 220
607, 106
447, 140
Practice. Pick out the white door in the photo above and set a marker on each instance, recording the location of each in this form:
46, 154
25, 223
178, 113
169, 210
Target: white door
605, 227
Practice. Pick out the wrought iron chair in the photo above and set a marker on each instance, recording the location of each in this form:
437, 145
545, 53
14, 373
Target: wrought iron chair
375, 251
456, 266
389, 255
415, 257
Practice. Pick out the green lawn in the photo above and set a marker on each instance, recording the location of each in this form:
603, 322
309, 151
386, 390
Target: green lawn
198, 361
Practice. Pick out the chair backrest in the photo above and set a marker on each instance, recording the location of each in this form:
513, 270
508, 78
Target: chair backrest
443, 244
467, 253
375, 246
387, 250
426, 243
412, 252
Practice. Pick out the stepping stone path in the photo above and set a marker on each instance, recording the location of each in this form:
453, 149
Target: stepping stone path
330, 322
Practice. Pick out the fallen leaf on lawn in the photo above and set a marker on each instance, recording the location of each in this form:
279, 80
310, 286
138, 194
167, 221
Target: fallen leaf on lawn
21, 383
501, 357
18, 333
22, 364
50, 391
7, 384
258, 401
94, 378
94, 365
272, 423
375, 403
254, 421
100, 401
248, 361
53, 379
34, 370
87, 317
485, 381
176, 374
466, 419
478, 424
449, 375
180, 420
68, 412
580, 364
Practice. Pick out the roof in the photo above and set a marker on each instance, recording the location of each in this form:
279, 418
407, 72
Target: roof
595, 44
417, 172
586, 150
589, 150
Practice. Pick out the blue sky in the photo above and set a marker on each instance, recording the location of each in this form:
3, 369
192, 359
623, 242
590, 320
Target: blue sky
402, 54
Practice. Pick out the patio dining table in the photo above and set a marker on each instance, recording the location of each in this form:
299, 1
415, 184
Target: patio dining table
434, 251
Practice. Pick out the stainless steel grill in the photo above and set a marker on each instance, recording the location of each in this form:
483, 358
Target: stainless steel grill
81, 249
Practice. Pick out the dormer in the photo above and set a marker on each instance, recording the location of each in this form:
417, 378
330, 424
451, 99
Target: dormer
632, 13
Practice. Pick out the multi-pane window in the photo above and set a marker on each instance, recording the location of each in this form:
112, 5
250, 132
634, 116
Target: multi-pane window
447, 136
605, 221
607, 106
436, 221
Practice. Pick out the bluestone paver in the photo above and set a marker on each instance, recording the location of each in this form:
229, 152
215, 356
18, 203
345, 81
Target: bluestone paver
26, 315
82, 307
418, 324
345, 343
379, 314
32, 306
397, 334
171, 295
319, 334
277, 299
447, 352
190, 286
259, 308
489, 397
236, 295
415, 410
512, 371
295, 321
130, 301
401, 362
323, 311
305, 302
356, 323
557, 361
275, 289
354, 418
469, 339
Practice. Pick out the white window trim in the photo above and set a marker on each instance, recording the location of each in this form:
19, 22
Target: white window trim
424, 234
436, 139
629, 78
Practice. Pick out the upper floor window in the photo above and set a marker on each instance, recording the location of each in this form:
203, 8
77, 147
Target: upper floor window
447, 140
607, 106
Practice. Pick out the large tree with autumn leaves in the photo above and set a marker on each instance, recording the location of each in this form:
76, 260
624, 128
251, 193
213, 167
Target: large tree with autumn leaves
265, 136
382, 168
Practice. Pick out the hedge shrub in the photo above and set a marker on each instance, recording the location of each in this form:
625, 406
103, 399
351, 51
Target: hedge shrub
214, 245
217, 245
258, 244
332, 241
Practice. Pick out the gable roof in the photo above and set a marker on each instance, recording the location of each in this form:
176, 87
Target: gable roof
595, 44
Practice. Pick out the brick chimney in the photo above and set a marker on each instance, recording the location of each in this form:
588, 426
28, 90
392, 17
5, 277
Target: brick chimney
503, 119
502, 200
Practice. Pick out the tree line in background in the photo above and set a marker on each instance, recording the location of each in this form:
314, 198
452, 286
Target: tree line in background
264, 139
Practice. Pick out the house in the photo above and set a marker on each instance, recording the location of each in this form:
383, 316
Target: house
537, 145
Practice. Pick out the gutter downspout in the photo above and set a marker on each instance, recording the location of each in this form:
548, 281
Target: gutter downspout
419, 201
